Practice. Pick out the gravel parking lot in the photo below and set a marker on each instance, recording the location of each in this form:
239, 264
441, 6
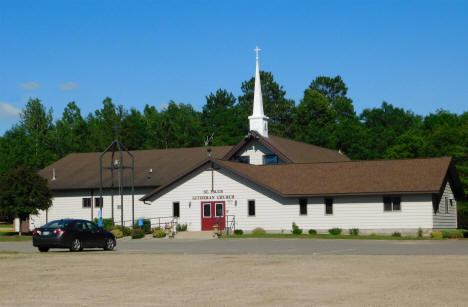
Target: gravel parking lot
150, 245
123, 279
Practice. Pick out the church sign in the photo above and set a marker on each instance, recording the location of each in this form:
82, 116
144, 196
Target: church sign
213, 195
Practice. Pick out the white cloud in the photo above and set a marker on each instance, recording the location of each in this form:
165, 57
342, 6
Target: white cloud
69, 86
8, 111
31, 85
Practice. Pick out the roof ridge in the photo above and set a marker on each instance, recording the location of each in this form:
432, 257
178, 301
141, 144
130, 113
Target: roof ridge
313, 145
333, 162
149, 149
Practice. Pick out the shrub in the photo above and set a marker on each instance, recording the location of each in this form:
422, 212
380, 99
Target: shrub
146, 226
465, 233
436, 235
420, 232
258, 231
354, 232
396, 234
373, 234
107, 224
117, 233
127, 230
452, 233
181, 227
159, 233
335, 231
312, 231
138, 233
295, 229
238, 232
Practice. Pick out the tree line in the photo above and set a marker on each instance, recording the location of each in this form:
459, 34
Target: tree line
325, 116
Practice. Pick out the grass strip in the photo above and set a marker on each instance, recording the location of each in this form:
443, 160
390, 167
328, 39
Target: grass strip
13, 239
9, 236
320, 236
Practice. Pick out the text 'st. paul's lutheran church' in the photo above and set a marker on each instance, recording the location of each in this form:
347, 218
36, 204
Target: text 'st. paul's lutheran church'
263, 181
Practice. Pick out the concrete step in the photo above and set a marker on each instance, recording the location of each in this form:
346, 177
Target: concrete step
195, 235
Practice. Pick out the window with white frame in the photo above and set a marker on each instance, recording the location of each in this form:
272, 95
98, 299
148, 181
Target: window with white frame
392, 203
303, 206
328, 206
251, 205
176, 209
86, 202
97, 202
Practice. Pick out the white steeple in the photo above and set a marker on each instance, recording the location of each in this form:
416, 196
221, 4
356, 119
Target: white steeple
258, 121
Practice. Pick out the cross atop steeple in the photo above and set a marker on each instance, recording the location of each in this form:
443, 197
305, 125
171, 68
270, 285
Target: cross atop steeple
258, 121
257, 50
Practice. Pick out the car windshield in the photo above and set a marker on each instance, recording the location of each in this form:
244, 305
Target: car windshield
57, 224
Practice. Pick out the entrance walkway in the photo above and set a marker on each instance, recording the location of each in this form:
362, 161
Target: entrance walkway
194, 235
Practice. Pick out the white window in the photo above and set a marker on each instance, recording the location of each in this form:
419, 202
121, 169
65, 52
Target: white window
176, 209
328, 206
392, 203
97, 202
251, 207
219, 212
87, 202
303, 206
206, 210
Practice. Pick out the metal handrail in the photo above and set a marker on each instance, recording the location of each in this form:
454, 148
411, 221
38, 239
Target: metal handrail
160, 220
230, 223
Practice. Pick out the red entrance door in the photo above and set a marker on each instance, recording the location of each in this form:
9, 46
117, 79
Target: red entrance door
212, 213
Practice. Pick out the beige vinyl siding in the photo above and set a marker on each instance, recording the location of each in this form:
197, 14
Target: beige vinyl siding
443, 220
255, 151
275, 213
272, 212
68, 204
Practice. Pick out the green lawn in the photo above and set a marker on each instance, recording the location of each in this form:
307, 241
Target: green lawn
8, 236
321, 236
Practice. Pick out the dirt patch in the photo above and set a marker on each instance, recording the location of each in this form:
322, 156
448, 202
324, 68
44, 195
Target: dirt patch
91, 278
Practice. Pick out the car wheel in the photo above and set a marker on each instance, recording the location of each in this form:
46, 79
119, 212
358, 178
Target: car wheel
76, 245
109, 245
43, 249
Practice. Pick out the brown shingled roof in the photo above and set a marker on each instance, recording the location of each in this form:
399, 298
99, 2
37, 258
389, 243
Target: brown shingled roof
290, 151
81, 170
352, 177
300, 152
407, 176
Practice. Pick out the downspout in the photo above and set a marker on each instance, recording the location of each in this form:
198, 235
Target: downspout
92, 203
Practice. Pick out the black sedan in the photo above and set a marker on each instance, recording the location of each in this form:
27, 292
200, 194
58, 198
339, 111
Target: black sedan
72, 234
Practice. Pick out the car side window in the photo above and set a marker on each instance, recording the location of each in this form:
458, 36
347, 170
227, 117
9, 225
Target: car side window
78, 226
91, 226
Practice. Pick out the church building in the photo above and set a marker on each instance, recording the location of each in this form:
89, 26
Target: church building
263, 181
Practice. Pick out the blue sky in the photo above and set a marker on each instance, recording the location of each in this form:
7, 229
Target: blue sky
413, 54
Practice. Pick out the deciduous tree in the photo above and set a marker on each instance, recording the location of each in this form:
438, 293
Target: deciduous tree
23, 193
